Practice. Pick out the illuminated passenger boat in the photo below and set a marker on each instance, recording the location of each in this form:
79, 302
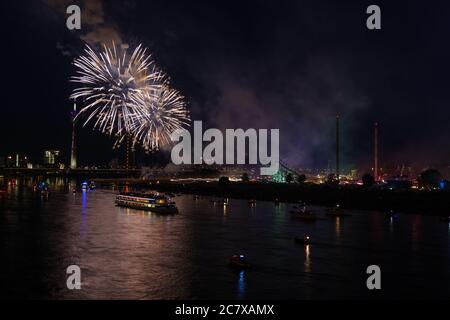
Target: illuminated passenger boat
154, 202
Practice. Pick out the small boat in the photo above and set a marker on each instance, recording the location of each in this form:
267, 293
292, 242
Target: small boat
196, 197
305, 215
239, 262
154, 202
219, 201
303, 240
336, 211
299, 205
92, 185
392, 214
84, 186
300, 212
252, 201
42, 188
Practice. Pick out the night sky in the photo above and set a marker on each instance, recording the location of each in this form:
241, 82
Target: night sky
291, 65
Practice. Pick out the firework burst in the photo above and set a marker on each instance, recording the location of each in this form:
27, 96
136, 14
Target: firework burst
110, 82
160, 113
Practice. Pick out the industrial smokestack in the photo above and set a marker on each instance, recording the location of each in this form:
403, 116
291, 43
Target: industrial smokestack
375, 151
337, 147
73, 153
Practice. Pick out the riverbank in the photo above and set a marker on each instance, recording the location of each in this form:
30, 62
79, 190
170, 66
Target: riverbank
350, 197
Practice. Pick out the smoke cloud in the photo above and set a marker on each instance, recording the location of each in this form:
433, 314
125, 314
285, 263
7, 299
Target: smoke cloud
96, 28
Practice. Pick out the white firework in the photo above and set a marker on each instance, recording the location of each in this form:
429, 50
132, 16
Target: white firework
160, 113
110, 82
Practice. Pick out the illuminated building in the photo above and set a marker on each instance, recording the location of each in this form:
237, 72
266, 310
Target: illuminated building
51, 157
16, 160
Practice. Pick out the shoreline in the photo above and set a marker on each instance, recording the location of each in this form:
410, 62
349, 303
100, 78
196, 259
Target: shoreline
352, 197
348, 197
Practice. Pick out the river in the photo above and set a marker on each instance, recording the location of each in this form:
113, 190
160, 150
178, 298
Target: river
131, 254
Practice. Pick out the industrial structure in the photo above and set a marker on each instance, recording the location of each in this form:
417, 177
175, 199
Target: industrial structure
73, 150
375, 152
337, 147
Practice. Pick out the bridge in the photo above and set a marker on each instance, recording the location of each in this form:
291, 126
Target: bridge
283, 171
94, 173
286, 169
102, 172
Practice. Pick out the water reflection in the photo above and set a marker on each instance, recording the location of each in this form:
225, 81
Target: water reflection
415, 233
128, 254
307, 258
391, 225
241, 285
279, 207
376, 225
338, 228
83, 214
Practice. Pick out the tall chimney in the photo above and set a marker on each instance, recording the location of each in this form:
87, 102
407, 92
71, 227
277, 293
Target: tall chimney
375, 151
337, 147
127, 152
73, 151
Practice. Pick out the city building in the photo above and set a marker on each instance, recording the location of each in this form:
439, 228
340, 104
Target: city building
51, 157
16, 160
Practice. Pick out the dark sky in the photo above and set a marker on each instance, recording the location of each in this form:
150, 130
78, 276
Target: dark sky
291, 65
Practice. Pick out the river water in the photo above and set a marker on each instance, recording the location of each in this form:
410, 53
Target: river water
130, 254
